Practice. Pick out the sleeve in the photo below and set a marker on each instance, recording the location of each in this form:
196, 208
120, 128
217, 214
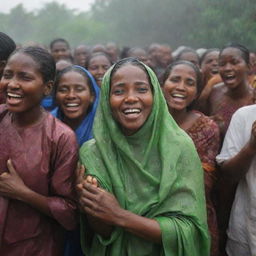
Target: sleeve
62, 202
233, 141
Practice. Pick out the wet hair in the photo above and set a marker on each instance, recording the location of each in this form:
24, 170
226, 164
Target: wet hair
44, 60
204, 55
7, 46
245, 53
96, 54
129, 61
186, 50
197, 71
72, 69
59, 40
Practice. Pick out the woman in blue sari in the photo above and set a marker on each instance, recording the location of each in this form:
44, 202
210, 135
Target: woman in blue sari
76, 95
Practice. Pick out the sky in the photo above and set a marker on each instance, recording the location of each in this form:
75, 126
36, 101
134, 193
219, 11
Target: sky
30, 5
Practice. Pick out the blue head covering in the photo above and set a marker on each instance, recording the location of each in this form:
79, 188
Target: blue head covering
84, 130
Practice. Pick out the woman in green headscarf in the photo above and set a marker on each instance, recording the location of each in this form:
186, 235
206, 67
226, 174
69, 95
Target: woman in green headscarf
143, 191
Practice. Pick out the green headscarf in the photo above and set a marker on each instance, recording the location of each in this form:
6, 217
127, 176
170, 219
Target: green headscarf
155, 173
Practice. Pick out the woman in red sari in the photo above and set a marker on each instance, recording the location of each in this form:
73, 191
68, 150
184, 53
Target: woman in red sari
181, 86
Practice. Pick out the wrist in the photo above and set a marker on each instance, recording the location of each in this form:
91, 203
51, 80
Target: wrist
250, 148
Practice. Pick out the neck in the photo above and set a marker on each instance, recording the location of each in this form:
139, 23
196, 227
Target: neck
72, 123
239, 91
179, 115
29, 117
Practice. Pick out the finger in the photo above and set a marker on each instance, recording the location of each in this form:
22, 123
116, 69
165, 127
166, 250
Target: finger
89, 179
95, 182
11, 167
4, 175
91, 188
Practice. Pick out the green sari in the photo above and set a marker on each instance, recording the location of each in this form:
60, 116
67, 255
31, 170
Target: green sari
155, 173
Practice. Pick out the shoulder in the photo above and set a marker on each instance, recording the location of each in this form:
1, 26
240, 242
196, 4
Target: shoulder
246, 112
57, 129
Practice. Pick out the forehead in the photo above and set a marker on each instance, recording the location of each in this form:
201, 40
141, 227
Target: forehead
231, 51
213, 54
73, 76
59, 45
22, 62
101, 59
130, 73
183, 69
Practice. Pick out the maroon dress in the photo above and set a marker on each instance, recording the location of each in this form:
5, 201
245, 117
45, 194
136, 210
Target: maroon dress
45, 157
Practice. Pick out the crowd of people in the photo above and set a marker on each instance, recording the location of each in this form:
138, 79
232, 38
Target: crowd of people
134, 151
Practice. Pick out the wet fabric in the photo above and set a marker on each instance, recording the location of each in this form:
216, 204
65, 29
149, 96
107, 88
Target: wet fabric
84, 131
206, 136
155, 173
241, 229
45, 156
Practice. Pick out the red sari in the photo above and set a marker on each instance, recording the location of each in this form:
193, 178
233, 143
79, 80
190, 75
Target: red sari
45, 157
205, 135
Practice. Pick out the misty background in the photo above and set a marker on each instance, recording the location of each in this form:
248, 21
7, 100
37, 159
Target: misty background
195, 23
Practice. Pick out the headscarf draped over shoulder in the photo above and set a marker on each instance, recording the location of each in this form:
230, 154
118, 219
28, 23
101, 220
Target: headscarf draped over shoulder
155, 173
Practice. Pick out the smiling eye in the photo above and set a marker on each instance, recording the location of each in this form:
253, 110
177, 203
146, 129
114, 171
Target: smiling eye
190, 82
118, 91
7, 75
142, 89
62, 90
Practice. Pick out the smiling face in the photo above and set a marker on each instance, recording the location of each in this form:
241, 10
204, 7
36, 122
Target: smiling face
131, 98
60, 50
98, 66
180, 88
210, 65
74, 96
233, 68
23, 84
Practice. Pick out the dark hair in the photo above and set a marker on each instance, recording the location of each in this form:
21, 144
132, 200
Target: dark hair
206, 53
45, 61
245, 53
129, 61
186, 50
72, 69
57, 40
7, 46
197, 71
96, 54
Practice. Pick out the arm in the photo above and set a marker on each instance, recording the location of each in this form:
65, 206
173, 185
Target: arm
12, 186
236, 167
102, 205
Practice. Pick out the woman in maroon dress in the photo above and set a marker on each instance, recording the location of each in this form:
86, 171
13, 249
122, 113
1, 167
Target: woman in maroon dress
37, 161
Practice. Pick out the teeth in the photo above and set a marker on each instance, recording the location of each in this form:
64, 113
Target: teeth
132, 110
178, 96
72, 104
230, 76
100, 78
13, 95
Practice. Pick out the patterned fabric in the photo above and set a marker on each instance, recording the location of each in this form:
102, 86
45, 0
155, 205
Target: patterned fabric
205, 135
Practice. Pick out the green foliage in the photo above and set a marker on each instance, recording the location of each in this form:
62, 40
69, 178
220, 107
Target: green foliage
197, 23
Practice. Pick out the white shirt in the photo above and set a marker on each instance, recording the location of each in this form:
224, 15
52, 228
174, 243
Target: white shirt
242, 222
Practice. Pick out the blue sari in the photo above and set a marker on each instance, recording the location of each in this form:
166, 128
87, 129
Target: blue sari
83, 133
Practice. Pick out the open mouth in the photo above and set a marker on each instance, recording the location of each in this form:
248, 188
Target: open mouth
178, 96
14, 95
71, 105
130, 111
214, 71
229, 77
